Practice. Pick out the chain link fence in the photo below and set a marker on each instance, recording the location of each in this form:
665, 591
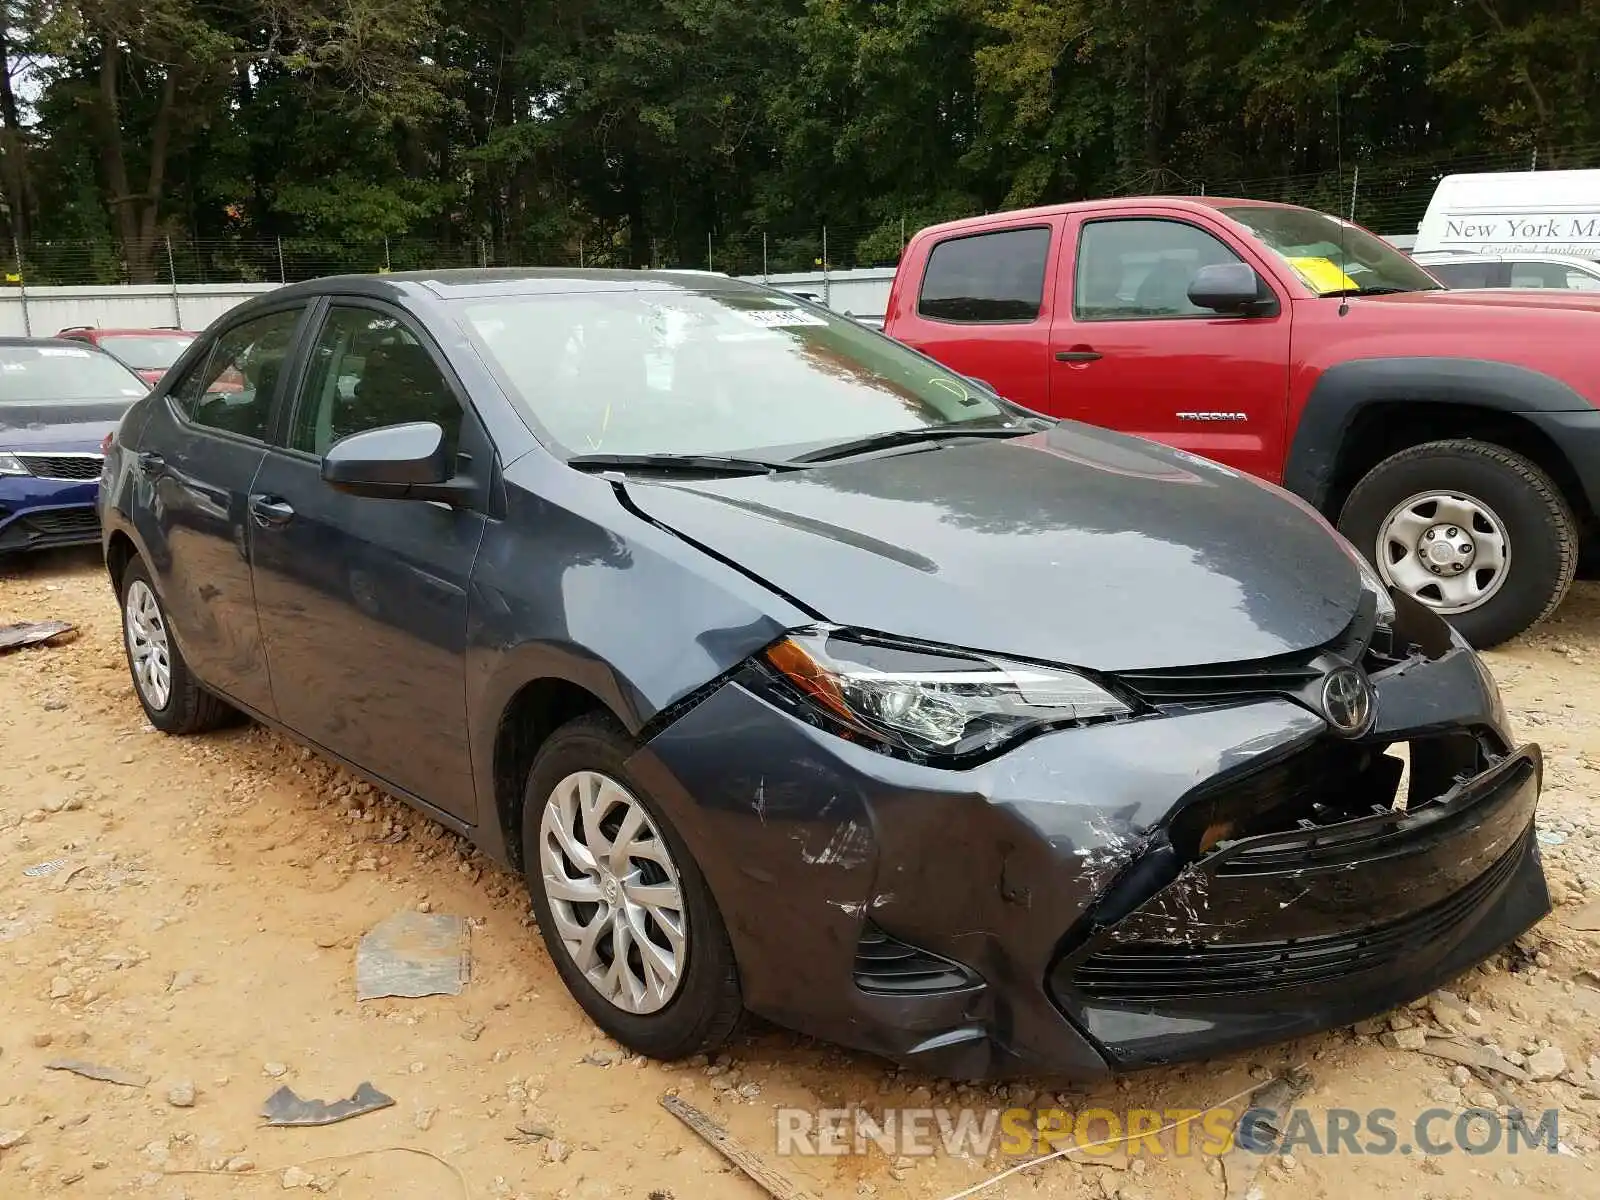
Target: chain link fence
1387, 197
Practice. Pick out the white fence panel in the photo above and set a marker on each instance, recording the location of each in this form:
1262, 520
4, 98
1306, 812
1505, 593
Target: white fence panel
43, 311
862, 293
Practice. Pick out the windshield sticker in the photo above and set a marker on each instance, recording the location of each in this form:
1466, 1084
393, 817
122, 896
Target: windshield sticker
62, 352
13, 366
132, 392
778, 318
1322, 275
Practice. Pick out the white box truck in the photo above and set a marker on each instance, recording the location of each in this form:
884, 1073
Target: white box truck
1514, 212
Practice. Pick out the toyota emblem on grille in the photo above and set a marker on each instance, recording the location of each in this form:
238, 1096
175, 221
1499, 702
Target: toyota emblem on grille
1347, 701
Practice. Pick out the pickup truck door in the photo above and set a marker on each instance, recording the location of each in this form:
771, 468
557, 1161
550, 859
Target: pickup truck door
1128, 350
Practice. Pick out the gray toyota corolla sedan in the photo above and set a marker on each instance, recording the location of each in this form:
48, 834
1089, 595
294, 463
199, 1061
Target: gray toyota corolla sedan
800, 675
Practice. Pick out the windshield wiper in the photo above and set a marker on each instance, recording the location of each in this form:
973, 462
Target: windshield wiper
1375, 290
910, 437
700, 464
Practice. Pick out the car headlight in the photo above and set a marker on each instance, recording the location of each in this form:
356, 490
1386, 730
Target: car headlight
932, 702
10, 464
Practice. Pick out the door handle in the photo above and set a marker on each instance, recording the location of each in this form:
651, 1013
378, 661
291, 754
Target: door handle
1083, 355
151, 463
270, 511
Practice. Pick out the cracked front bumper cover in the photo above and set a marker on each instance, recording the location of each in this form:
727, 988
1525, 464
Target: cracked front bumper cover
1006, 885
1286, 933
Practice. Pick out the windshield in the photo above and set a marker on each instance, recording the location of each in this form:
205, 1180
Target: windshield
1315, 246
147, 352
692, 372
57, 374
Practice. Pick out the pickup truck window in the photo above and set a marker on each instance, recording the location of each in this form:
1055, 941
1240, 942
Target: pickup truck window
1331, 256
1140, 268
987, 278
1470, 274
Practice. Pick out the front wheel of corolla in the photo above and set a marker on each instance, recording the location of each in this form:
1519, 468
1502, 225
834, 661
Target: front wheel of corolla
624, 910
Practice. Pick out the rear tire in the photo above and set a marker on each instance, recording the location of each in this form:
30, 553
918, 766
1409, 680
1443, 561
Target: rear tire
172, 698
598, 847
1478, 533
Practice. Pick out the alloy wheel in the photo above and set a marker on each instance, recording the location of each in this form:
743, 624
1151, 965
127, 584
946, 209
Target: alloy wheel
1448, 550
148, 648
615, 894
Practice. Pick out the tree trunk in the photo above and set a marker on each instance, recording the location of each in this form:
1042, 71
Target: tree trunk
137, 213
633, 209
13, 146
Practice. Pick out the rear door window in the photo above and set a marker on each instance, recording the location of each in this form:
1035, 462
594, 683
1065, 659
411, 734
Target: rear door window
987, 278
235, 389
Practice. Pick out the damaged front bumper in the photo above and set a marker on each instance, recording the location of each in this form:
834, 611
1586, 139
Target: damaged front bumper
1211, 878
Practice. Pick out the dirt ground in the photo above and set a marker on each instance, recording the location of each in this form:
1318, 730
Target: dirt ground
201, 932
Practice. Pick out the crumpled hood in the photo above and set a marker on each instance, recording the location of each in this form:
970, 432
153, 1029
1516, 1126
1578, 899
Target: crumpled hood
77, 425
1076, 546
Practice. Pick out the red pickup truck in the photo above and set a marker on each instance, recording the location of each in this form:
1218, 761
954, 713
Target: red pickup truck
1453, 436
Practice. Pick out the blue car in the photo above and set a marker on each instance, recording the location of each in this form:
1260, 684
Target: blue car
58, 402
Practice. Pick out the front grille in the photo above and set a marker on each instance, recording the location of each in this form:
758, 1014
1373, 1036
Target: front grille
63, 521
885, 964
1293, 675
63, 466
1166, 971
1229, 681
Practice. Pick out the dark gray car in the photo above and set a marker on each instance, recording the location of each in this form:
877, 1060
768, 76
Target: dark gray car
800, 674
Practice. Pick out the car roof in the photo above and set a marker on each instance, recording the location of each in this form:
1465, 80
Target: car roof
1112, 204
469, 282
152, 330
43, 341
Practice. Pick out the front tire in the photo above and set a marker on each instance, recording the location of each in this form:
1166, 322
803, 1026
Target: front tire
626, 915
172, 698
1478, 533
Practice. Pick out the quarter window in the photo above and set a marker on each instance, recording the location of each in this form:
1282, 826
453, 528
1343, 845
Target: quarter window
987, 277
1142, 268
367, 371
233, 391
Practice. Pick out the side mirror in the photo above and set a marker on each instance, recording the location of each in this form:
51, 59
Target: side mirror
396, 462
1231, 288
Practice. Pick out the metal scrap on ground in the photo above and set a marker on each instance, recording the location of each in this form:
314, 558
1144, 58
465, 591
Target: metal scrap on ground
91, 1070
283, 1107
720, 1140
1241, 1163
1478, 1057
31, 633
413, 954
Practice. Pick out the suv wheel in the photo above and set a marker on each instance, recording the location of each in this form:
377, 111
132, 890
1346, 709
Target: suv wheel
621, 904
1476, 532
172, 699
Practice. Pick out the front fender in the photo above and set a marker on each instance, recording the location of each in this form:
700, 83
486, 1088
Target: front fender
1343, 391
574, 587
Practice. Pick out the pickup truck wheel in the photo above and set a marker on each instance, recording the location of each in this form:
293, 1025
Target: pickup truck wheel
1479, 534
